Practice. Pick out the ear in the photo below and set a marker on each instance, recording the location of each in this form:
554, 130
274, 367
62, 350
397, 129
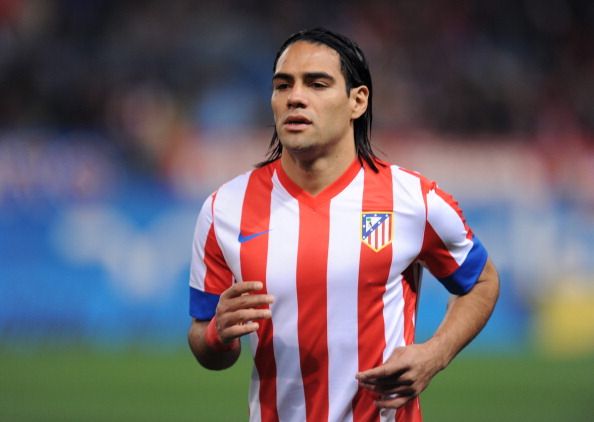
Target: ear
359, 99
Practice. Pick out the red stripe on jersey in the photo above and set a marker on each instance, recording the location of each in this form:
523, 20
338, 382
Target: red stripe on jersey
255, 218
312, 262
435, 254
411, 411
218, 277
374, 269
410, 288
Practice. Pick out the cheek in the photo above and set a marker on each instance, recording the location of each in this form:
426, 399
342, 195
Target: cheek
339, 115
275, 102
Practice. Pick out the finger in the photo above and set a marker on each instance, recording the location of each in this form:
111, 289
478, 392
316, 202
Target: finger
238, 289
381, 373
395, 387
246, 317
393, 401
388, 382
229, 334
367, 385
242, 316
392, 381
244, 302
402, 390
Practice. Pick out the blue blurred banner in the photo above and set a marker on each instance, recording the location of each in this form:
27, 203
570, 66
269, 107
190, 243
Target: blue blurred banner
99, 272
104, 261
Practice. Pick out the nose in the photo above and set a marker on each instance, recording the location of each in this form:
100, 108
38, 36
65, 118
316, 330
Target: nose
297, 97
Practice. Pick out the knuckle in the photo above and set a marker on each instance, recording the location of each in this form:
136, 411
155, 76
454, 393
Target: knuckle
221, 323
405, 380
241, 316
221, 308
244, 302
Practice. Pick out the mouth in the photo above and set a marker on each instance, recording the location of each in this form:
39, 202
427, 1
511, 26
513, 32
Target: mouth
296, 122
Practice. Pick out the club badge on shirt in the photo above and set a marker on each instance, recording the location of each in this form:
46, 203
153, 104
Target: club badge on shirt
376, 229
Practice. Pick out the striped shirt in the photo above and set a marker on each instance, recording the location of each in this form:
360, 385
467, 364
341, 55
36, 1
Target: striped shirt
344, 267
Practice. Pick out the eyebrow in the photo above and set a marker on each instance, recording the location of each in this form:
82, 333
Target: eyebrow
310, 76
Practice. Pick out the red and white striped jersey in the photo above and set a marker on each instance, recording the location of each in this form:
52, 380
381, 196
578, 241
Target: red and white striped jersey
344, 267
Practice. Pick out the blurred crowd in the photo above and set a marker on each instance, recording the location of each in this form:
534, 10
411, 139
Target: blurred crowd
461, 66
150, 77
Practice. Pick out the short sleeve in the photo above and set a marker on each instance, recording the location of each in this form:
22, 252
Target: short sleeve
209, 273
451, 251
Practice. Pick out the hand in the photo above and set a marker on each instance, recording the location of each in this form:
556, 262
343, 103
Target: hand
238, 309
405, 374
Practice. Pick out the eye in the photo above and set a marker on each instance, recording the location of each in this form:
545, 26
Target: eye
280, 86
318, 85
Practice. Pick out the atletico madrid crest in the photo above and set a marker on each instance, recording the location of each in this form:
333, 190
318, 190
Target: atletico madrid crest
376, 229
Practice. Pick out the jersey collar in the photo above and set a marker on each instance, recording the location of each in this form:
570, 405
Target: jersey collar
325, 195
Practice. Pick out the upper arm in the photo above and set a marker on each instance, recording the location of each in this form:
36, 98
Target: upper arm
451, 251
489, 276
209, 272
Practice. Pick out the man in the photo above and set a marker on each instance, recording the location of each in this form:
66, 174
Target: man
315, 256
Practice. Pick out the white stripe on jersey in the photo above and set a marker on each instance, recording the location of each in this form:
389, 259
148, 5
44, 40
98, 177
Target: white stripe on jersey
409, 210
344, 245
281, 283
227, 211
409, 217
393, 315
197, 267
446, 222
254, 391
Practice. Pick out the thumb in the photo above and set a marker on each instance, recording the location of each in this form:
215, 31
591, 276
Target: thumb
389, 367
378, 372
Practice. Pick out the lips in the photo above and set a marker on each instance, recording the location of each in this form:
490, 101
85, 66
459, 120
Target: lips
296, 122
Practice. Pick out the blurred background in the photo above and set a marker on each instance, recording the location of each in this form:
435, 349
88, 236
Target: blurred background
118, 118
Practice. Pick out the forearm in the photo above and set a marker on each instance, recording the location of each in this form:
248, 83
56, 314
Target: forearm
467, 315
207, 356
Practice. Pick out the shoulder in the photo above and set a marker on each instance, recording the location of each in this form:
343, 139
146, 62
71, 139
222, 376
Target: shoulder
233, 185
404, 178
232, 192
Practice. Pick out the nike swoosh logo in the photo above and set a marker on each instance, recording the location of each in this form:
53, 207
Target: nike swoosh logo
241, 238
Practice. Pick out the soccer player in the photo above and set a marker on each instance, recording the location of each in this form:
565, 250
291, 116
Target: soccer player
316, 256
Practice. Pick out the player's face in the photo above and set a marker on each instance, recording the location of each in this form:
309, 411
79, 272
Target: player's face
313, 112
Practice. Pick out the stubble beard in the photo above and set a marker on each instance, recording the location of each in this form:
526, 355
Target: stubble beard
304, 150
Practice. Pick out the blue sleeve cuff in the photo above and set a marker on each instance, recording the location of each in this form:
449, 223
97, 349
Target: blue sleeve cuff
464, 278
202, 305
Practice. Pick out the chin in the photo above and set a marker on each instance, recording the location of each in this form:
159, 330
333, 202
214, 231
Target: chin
295, 142
304, 153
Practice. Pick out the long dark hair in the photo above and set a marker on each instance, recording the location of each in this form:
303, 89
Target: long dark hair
355, 70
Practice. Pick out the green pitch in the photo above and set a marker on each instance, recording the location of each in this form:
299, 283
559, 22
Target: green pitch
59, 385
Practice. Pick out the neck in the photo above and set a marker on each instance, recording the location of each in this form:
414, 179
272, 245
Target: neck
315, 174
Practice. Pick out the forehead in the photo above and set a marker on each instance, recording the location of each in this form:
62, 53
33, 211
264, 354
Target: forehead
305, 57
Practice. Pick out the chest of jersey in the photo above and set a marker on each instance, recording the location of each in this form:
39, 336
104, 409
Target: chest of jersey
319, 244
